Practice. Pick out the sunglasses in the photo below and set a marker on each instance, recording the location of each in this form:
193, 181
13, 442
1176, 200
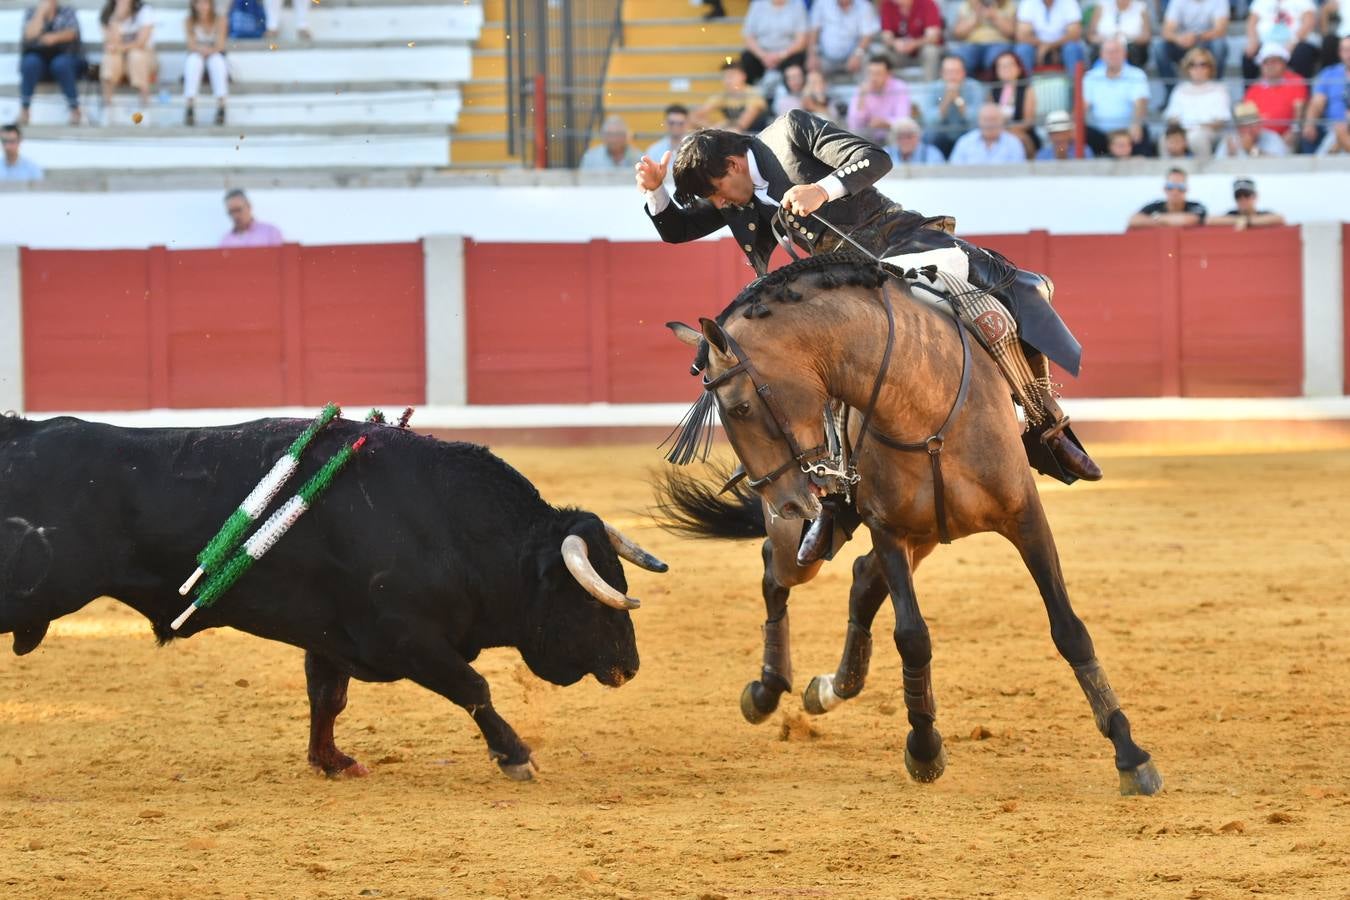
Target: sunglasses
1198, 65
1174, 186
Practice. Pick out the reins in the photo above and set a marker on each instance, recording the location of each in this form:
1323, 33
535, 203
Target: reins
932, 445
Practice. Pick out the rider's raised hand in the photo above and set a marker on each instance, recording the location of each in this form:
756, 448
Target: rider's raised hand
651, 175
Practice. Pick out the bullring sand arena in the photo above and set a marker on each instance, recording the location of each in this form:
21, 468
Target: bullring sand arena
1212, 577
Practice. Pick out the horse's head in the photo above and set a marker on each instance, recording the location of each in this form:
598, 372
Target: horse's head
770, 401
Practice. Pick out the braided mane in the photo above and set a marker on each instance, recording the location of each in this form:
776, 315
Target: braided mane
841, 268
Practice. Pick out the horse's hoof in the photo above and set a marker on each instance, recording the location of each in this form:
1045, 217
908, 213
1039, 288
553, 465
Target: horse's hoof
519, 771
1143, 780
754, 714
926, 772
819, 696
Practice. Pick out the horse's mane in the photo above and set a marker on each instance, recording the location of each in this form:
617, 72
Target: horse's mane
838, 269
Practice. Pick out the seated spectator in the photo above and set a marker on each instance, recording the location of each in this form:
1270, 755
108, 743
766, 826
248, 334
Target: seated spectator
1331, 92
16, 167
880, 101
677, 126
248, 231
1279, 94
128, 51
1335, 28
949, 105
205, 53
1245, 215
988, 144
1013, 94
737, 108
1175, 144
1247, 137
788, 95
301, 10
1288, 23
1119, 144
1174, 210
907, 146
775, 34
1116, 97
841, 31
50, 48
1127, 20
816, 97
615, 152
1200, 104
911, 31
987, 29
1059, 129
1049, 33
1189, 24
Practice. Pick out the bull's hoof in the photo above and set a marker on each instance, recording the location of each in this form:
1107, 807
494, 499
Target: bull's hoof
819, 696
926, 771
1143, 780
355, 770
339, 765
519, 771
757, 702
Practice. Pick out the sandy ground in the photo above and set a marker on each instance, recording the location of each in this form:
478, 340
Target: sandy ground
1213, 581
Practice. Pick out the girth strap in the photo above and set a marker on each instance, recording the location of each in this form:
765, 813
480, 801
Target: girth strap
933, 445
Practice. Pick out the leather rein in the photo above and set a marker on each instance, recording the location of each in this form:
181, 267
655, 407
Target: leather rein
803, 459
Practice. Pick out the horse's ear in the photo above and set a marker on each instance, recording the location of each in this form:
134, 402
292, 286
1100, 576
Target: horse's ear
684, 334
719, 345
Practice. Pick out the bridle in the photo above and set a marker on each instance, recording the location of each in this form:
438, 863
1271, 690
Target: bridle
821, 460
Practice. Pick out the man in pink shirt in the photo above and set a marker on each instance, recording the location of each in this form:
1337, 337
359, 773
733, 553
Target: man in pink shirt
880, 102
247, 231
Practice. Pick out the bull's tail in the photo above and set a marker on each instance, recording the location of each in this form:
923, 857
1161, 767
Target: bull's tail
691, 506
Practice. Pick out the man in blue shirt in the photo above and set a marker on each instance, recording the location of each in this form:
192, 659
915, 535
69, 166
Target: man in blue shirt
948, 105
990, 144
15, 167
1330, 93
1059, 126
1116, 94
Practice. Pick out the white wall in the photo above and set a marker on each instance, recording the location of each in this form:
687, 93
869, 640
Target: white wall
571, 212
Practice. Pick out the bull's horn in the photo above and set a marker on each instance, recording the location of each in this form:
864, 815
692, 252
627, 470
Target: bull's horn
629, 550
578, 562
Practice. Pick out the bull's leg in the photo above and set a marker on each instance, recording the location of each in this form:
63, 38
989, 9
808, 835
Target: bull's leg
925, 757
760, 698
327, 686
1034, 541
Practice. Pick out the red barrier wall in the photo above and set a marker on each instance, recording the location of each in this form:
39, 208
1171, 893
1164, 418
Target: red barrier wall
268, 326
1193, 312
1345, 308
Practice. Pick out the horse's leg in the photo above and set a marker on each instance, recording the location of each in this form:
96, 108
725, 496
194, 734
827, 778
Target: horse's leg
760, 698
925, 757
1034, 541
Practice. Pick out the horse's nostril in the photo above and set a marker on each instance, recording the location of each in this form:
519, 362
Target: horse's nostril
792, 510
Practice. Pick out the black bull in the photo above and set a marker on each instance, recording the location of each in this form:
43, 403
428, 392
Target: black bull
419, 556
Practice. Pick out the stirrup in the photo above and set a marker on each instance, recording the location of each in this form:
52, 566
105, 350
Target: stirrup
1042, 458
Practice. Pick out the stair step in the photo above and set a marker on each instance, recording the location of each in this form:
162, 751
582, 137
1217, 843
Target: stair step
667, 34
492, 37
480, 149
674, 9
660, 62
480, 120
488, 64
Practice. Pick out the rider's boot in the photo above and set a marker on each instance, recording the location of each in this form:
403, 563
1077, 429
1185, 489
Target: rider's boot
837, 517
1061, 442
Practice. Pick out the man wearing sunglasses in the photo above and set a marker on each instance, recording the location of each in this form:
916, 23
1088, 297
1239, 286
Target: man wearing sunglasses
1174, 210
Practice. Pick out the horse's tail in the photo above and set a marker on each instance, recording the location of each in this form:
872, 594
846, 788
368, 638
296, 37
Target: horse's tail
690, 506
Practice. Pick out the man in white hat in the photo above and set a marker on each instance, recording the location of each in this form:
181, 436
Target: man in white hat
1059, 129
1248, 137
1279, 94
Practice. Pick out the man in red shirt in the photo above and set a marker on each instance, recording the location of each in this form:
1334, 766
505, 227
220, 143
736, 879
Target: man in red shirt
1279, 94
912, 31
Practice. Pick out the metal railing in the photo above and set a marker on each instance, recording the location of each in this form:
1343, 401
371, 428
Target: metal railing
557, 54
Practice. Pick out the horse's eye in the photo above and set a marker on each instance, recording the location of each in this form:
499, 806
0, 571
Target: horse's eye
740, 411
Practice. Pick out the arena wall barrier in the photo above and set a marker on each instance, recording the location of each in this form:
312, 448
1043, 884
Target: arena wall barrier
290, 325
449, 321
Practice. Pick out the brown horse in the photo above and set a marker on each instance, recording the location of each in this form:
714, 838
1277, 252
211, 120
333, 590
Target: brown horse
818, 329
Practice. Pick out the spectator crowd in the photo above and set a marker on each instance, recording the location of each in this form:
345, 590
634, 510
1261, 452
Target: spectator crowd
992, 82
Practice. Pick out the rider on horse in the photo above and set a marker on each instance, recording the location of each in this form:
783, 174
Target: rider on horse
802, 164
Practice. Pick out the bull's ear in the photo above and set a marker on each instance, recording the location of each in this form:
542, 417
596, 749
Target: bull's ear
719, 345
684, 334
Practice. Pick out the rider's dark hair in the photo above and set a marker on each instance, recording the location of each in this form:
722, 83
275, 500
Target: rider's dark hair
703, 157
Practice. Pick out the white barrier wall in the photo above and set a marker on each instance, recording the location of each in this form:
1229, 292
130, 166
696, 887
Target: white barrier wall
566, 211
